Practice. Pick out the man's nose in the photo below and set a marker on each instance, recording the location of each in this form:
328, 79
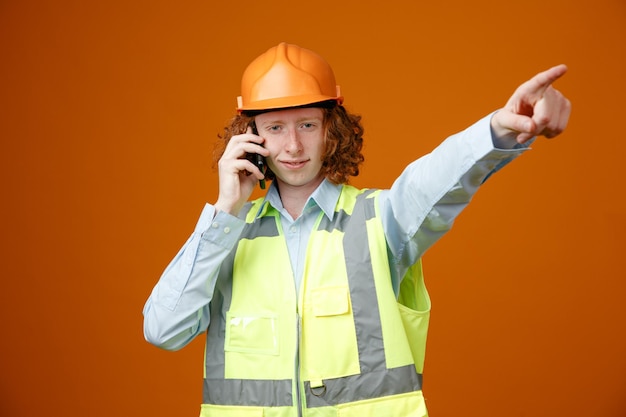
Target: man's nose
293, 141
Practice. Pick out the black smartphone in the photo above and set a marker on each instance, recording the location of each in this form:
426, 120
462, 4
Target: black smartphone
257, 159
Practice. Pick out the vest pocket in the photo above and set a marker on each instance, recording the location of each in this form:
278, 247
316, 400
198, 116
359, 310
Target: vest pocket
414, 308
330, 301
251, 334
329, 343
210, 410
406, 405
416, 327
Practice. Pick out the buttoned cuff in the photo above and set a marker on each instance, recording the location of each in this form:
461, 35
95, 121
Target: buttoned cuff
219, 228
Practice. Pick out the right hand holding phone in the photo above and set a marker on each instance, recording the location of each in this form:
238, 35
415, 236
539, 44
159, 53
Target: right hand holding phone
237, 174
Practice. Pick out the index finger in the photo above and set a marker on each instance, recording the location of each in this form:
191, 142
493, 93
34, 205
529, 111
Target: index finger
540, 82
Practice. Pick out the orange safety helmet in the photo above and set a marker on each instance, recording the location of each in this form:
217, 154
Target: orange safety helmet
287, 76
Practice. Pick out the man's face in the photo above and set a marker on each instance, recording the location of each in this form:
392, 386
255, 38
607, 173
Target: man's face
295, 139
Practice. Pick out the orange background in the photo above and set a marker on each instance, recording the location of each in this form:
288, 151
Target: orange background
108, 114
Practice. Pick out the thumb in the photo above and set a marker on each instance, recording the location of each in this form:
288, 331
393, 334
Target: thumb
506, 123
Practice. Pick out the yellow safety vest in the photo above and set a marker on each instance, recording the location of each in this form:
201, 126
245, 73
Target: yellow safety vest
345, 346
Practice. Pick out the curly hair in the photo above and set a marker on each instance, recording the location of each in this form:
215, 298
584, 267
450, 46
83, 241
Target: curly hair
343, 141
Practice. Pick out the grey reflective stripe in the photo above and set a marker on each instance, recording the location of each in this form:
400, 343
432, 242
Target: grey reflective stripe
364, 386
218, 390
340, 219
375, 379
369, 332
263, 227
249, 392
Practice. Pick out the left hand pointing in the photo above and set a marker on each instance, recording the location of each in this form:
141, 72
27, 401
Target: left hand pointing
535, 108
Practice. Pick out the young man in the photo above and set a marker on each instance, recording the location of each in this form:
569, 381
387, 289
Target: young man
312, 297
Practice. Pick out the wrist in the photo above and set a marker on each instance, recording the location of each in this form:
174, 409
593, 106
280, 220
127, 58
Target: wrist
227, 207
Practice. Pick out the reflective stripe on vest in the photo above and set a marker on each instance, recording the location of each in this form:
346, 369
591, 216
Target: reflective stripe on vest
375, 379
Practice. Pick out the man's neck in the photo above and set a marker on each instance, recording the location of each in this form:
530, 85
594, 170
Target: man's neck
295, 197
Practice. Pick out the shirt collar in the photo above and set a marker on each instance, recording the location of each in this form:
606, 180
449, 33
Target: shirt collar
325, 197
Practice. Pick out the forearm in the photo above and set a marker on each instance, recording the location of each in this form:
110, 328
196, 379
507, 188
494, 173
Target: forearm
178, 307
433, 190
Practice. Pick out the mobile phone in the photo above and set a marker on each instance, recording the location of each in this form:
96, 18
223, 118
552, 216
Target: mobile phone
257, 159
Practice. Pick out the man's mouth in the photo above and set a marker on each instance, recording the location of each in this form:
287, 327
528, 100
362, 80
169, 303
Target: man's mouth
294, 164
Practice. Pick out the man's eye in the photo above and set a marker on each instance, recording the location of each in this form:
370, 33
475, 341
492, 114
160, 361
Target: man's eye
274, 128
308, 125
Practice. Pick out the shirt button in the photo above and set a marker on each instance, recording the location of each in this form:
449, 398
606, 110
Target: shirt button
215, 225
292, 229
227, 230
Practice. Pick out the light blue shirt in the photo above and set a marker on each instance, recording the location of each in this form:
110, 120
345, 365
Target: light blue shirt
416, 211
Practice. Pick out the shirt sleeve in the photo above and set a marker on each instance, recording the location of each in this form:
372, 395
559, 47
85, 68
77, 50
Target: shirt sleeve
178, 307
431, 192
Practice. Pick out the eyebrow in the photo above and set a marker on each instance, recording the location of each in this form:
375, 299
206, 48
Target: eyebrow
300, 120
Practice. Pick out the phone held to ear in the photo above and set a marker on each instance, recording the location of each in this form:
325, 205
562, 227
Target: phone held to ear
257, 159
